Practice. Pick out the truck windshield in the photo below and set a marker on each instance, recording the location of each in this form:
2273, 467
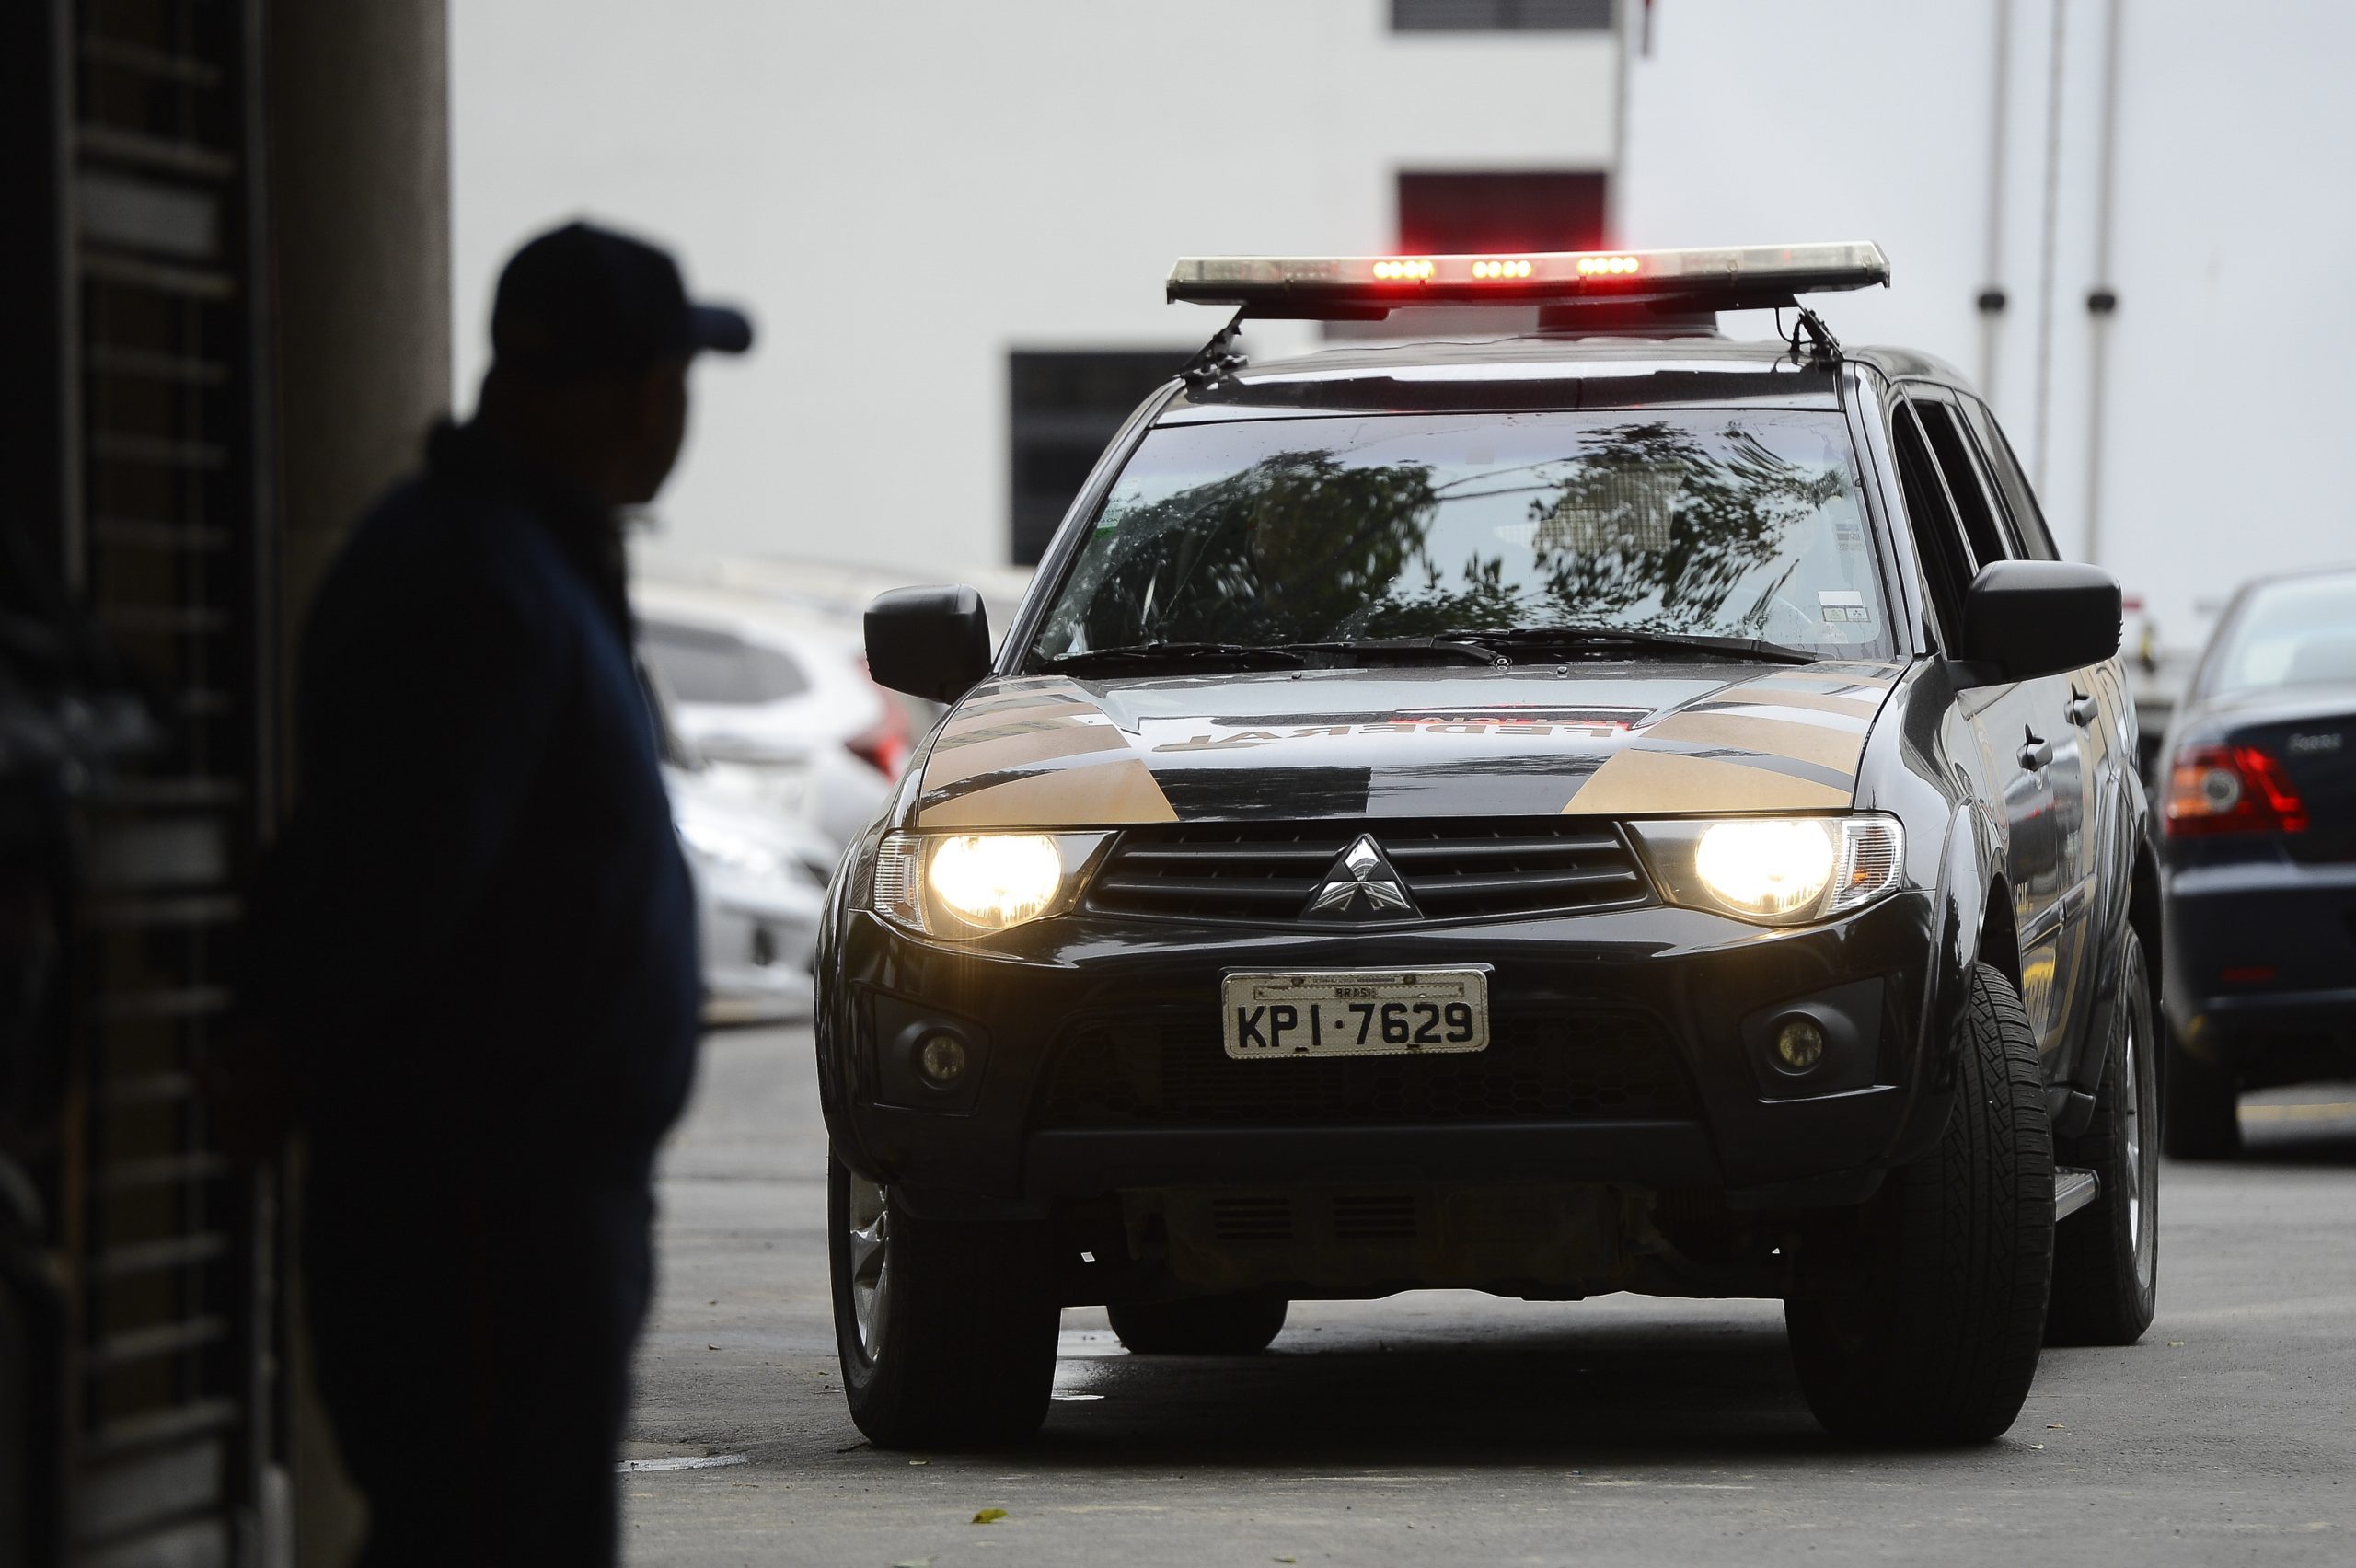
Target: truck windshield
1716, 522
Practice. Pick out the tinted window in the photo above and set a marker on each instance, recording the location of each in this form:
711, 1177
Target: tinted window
1967, 487
2020, 500
1712, 522
1946, 566
2290, 634
1459, 213
697, 664
1063, 409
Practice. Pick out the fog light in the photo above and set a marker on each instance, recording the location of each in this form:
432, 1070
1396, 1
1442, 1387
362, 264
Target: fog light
1799, 1044
940, 1059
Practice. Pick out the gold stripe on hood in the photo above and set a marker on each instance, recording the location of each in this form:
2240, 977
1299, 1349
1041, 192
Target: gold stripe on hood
1822, 745
1018, 742
1107, 794
1784, 741
1035, 753
1634, 782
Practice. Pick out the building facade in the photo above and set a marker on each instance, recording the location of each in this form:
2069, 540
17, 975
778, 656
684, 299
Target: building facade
954, 221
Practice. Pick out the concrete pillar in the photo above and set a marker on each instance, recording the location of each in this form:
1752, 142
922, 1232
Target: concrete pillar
360, 196
359, 237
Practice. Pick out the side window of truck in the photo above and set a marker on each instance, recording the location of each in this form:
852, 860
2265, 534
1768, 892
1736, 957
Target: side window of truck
1967, 484
1948, 563
2020, 500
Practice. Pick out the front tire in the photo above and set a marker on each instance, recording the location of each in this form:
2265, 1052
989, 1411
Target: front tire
2200, 1110
1938, 1342
1207, 1325
2106, 1256
946, 1329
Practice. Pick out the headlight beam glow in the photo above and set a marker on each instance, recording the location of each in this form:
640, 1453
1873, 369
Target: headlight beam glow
995, 879
1770, 867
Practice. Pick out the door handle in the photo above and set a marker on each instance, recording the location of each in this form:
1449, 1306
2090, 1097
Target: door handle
2081, 708
2034, 754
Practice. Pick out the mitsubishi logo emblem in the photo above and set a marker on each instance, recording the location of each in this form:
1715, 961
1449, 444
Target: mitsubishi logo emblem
1362, 883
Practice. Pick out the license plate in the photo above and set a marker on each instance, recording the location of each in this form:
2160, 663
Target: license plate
1354, 1013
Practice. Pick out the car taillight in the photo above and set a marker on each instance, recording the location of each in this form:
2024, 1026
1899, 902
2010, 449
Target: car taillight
2230, 790
883, 745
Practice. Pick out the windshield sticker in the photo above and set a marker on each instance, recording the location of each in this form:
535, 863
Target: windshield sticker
1839, 604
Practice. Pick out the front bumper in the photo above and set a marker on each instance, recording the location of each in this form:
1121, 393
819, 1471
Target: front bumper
1697, 988
2258, 958
757, 955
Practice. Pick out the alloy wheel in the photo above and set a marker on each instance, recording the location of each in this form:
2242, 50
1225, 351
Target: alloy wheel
869, 1221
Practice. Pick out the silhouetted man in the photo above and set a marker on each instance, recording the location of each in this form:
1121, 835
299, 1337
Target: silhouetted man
479, 944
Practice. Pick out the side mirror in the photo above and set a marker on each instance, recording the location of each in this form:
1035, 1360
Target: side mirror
929, 642
2026, 618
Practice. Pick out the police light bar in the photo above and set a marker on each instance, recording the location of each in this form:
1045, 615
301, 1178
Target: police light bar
1747, 276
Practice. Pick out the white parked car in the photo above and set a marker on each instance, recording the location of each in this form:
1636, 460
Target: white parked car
779, 708
760, 886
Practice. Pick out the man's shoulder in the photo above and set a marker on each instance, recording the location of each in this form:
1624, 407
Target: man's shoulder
434, 540
434, 564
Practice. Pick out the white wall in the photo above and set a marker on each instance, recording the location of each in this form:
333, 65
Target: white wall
2226, 445
903, 192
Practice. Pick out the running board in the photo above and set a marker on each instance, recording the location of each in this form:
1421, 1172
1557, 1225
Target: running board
2073, 1189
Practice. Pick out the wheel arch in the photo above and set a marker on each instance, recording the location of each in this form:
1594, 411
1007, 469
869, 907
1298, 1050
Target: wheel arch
2000, 943
1973, 914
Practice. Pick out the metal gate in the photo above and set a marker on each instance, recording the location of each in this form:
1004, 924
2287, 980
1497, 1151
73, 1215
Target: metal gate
166, 1252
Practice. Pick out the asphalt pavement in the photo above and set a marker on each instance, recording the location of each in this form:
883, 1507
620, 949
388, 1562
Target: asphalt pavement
1448, 1427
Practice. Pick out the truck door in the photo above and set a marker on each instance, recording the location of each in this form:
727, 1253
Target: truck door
2014, 743
2091, 793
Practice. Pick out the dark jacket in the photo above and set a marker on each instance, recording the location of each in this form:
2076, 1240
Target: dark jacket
478, 935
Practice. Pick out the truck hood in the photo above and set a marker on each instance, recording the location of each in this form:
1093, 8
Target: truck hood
1048, 751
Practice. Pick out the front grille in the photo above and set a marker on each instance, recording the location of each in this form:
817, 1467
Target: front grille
1587, 1066
1252, 1219
1454, 870
1374, 1216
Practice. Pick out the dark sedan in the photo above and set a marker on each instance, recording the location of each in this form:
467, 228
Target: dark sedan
2258, 859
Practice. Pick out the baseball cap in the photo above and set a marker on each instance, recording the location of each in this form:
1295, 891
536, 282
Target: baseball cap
583, 299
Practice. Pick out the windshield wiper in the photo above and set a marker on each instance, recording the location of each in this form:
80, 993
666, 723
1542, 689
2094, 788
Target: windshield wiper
1446, 645
1177, 653
1534, 637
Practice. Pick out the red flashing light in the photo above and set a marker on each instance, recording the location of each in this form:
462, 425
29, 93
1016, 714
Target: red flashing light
1336, 287
2222, 789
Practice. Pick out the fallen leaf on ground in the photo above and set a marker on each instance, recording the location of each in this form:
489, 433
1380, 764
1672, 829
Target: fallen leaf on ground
919, 1461
990, 1516
1287, 1559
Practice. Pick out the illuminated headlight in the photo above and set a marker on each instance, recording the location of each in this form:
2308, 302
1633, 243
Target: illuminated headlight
969, 884
1776, 871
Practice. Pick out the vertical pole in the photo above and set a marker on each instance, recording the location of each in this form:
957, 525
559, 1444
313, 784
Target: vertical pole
1991, 302
2102, 300
1613, 182
2045, 260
